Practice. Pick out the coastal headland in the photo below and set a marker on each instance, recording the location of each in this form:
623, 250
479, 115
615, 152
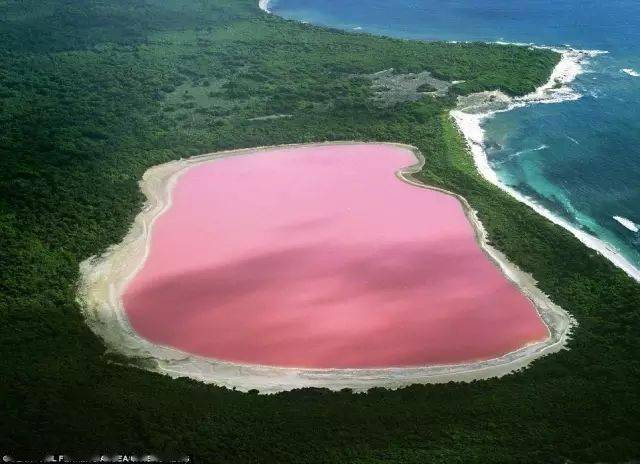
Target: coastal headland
474, 109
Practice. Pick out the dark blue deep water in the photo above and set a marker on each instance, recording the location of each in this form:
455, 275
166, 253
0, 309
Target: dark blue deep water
580, 159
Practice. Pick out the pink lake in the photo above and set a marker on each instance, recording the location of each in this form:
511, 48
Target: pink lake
321, 257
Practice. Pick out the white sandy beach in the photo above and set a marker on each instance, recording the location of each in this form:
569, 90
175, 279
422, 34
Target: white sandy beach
470, 118
264, 5
104, 279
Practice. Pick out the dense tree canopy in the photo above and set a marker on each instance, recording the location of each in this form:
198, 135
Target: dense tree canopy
92, 93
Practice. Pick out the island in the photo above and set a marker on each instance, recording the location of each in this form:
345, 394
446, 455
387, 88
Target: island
95, 94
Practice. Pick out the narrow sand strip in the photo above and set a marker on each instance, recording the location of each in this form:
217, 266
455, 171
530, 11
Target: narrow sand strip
474, 109
104, 279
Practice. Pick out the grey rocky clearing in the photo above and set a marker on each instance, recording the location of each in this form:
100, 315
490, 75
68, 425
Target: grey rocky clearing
391, 87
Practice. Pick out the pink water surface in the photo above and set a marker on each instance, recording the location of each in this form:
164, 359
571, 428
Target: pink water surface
321, 257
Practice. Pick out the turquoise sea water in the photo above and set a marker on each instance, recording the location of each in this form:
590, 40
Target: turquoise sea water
580, 159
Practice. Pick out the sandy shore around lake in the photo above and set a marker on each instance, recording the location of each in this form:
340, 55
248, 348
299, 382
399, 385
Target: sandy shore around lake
104, 279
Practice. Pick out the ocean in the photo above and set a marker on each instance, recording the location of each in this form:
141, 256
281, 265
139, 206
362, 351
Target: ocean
577, 160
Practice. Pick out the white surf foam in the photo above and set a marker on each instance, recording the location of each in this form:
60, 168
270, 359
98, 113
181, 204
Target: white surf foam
556, 90
631, 72
519, 153
628, 223
264, 5
529, 150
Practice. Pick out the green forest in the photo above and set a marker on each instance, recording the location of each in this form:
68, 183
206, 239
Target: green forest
94, 92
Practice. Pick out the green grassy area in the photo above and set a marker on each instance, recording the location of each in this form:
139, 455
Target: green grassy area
92, 94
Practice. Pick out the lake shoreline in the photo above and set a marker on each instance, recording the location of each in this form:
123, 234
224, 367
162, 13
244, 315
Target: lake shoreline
104, 279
